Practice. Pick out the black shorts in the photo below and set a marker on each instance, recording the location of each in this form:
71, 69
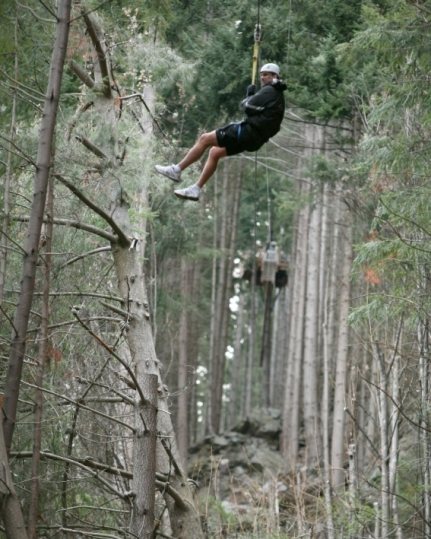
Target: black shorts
238, 137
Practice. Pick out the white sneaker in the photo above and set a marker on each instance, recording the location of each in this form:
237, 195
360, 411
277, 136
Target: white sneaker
172, 171
189, 193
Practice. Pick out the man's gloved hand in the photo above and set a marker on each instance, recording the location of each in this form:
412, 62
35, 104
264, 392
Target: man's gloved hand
251, 90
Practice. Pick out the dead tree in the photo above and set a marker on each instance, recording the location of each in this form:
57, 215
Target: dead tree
152, 417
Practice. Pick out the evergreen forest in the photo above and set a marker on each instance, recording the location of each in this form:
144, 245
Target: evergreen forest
252, 365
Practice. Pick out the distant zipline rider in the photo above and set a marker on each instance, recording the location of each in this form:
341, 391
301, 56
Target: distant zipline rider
264, 112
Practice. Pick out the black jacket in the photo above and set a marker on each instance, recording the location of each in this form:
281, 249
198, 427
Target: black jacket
265, 110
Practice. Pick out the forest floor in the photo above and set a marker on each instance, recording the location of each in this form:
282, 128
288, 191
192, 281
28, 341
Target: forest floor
242, 487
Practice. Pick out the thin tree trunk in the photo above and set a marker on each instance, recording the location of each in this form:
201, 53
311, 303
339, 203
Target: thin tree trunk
423, 332
338, 439
43, 164
251, 341
182, 413
11, 512
193, 340
311, 421
290, 432
208, 427
333, 272
225, 314
5, 228
236, 363
43, 346
266, 345
393, 458
184, 518
219, 356
384, 439
144, 459
325, 423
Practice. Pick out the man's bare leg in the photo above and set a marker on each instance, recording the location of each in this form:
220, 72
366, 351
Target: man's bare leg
196, 152
216, 153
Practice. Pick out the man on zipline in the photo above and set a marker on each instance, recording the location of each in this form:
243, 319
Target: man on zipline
264, 112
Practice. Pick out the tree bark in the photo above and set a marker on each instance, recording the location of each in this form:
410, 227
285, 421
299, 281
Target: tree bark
338, 451
423, 340
252, 340
208, 427
182, 413
266, 345
219, 352
43, 164
43, 347
310, 389
144, 459
11, 512
384, 438
6, 217
290, 428
236, 364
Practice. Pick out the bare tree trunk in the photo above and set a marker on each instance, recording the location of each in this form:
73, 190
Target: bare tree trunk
423, 332
290, 429
310, 397
236, 363
11, 512
144, 459
338, 451
184, 518
325, 422
333, 306
43, 346
208, 427
194, 332
227, 291
251, 341
43, 164
384, 439
182, 414
219, 352
393, 458
266, 344
5, 228
183, 515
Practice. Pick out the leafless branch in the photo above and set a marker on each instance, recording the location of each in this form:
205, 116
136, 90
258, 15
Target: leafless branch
111, 351
178, 499
121, 312
373, 447
20, 85
34, 14
123, 239
80, 405
69, 322
121, 395
81, 109
172, 458
94, 33
84, 255
48, 9
81, 74
89, 464
20, 152
85, 464
79, 225
92, 147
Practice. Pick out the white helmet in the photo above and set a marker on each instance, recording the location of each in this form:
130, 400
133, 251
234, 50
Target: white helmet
271, 68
